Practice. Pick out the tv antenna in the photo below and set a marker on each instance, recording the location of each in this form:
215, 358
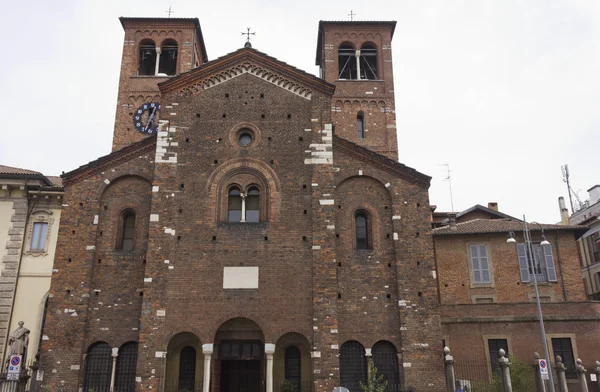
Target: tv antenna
449, 179
565, 174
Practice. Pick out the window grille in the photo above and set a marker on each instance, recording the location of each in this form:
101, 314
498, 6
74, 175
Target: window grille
494, 345
353, 365
385, 358
564, 348
187, 368
98, 368
126, 365
293, 371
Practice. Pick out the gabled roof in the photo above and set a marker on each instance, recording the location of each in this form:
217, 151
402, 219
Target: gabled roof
485, 209
350, 24
381, 161
481, 226
163, 21
190, 79
107, 161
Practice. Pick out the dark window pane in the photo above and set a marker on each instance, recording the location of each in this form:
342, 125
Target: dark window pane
353, 365
127, 242
187, 368
126, 365
293, 366
563, 347
168, 58
360, 124
252, 216
347, 62
385, 358
147, 64
234, 206
98, 368
494, 345
235, 215
362, 238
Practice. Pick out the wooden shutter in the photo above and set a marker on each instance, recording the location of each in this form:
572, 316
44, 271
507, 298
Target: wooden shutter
550, 270
479, 264
523, 265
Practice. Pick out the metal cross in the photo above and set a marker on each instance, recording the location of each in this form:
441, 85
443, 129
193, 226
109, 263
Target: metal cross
169, 12
248, 34
351, 15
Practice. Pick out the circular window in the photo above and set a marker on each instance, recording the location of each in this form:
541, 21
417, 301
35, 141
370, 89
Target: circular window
245, 138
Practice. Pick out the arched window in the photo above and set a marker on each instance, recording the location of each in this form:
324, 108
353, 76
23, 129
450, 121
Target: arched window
127, 231
252, 205
168, 57
353, 365
126, 365
360, 125
361, 227
368, 61
385, 358
98, 368
187, 369
234, 208
347, 61
292, 366
147, 64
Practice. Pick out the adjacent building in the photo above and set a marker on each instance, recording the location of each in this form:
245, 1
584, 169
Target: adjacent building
30, 209
487, 298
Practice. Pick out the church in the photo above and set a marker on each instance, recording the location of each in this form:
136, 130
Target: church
252, 229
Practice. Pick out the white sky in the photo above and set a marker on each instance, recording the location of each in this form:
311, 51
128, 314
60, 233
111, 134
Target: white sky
504, 91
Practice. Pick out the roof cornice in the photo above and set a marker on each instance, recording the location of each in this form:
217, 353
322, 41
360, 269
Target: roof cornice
107, 161
381, 161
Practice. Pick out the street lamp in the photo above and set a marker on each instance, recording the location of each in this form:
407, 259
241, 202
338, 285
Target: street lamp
529, 255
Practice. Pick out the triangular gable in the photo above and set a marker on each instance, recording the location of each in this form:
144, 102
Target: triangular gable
247, 61
144, 146
478, 207
380, 161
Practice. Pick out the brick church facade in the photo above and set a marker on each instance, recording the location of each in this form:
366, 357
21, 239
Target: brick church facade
252, 225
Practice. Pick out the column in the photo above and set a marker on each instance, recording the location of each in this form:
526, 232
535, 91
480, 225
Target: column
207, 350
369, 359
269, 351
158, 51
115, 354
357, 54
243, 196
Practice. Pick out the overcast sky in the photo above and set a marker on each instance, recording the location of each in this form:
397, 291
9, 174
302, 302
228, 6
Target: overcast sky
505, 92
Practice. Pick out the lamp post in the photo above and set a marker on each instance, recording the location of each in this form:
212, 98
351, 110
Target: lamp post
530, 262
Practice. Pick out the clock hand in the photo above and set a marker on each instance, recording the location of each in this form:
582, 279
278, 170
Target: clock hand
151, 119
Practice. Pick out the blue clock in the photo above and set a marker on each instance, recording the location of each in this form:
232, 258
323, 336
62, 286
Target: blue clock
145, 118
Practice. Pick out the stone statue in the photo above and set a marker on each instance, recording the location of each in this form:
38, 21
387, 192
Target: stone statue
19, 340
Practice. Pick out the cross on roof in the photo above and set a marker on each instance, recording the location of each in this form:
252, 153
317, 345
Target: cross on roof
351, 15
248, 34
169, 12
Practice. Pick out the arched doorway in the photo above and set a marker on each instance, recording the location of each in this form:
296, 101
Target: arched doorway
239, 364
184, 363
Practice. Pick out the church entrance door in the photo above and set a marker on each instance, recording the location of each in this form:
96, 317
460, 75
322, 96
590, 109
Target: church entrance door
240, 376
241, 365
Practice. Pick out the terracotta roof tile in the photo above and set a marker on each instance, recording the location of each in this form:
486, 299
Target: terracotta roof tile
477, 226
16, 170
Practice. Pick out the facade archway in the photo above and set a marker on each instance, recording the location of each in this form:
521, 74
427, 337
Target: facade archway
184, 363
292, 362
239, 352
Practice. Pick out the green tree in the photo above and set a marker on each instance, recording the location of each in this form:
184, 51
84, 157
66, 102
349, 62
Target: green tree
375, 382
521, 377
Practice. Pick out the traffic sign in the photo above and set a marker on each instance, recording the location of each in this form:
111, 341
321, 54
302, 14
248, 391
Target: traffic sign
14, 367
543, 364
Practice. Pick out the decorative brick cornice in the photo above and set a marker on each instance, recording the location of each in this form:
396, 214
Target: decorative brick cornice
380, 161
251, 61
147, 145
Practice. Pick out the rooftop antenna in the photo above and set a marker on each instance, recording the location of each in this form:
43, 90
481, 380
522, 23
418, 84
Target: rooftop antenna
449, 179
351, 15
248, 34
169, 12
570, 191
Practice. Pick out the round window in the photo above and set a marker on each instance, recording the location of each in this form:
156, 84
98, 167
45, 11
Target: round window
245, 139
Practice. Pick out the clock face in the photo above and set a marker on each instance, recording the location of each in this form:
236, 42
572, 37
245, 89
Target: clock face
145, 118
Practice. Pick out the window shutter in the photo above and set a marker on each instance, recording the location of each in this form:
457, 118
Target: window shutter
550, 270
523, 266
479, 264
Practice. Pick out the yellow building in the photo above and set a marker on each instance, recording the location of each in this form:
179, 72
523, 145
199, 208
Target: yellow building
30, 207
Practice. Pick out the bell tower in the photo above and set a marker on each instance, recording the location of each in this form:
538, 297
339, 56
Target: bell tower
154, 50
357, 58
